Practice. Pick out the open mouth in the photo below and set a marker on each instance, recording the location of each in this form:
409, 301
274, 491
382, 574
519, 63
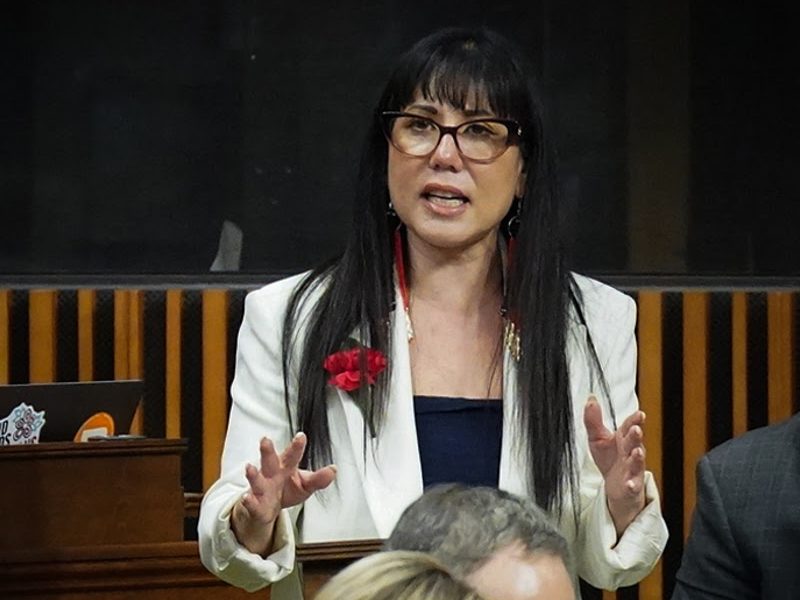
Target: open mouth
446, 201
444, 197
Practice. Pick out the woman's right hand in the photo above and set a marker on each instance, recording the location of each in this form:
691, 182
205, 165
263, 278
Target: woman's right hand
276, 485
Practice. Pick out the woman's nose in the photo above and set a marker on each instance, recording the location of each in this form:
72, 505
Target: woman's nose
446, 155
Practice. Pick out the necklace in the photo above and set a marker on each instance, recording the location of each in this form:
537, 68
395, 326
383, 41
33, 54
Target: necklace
400, 272
511, 337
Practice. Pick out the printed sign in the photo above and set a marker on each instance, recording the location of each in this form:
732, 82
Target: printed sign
22, 426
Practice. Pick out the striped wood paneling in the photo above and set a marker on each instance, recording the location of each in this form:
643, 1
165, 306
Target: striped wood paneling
781, 355
173, 336
679, 378
215, 392
650, 388
129, 344
739, 361
695, 392
42, 335
86, 308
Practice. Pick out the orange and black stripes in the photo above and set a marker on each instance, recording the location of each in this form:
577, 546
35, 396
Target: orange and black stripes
713, 363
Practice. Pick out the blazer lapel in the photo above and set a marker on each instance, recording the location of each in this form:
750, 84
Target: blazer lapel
389, 465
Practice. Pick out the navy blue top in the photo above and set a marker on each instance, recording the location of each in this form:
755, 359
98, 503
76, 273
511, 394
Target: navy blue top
459, 440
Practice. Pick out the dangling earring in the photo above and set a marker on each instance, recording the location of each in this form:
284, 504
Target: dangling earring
512, 230
511, 333
513, 223
400, 273
390, 210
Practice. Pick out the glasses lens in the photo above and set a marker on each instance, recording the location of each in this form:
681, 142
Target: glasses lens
414, 135
477, 140
483, 140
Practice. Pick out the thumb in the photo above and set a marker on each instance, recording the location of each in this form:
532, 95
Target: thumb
320, 479
593, 420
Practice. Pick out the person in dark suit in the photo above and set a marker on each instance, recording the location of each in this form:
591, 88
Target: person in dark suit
745, 536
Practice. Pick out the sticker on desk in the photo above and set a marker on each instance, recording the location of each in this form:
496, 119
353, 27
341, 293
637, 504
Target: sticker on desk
22, 426
99, 424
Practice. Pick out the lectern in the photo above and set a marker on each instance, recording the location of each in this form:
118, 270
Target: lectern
92, 493
98, 520
104, 520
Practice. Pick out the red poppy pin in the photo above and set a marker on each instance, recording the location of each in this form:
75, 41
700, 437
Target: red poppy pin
345, 367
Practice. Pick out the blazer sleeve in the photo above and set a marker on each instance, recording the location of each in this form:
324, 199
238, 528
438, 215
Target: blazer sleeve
602, 560
712, 566
258, 409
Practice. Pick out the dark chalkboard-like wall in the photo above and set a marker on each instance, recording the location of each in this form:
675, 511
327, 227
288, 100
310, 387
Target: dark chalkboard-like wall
133, 130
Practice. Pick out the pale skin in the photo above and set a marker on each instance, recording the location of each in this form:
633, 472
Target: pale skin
514, 573
455, 296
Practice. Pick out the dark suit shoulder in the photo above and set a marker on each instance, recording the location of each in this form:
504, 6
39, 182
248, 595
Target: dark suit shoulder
752, 449
758, 492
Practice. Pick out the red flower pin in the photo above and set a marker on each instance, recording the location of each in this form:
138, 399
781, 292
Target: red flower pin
345, 367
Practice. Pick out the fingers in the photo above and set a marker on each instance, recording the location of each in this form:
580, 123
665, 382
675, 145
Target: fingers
634, 472
632, 440
251, 504
313, 481
593, 420
636, 463
291, 457
270, 463
637, 418
256, 480
279, 483
260, 503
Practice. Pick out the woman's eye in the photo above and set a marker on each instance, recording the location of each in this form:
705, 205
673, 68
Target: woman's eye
479, 130
419, 124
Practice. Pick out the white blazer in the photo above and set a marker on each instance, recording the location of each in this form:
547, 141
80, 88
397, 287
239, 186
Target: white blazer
373, 488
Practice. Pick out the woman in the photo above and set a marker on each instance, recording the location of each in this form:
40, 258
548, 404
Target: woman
395, 576
448, 343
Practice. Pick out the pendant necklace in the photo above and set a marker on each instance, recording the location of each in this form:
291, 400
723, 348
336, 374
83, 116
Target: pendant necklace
511, 337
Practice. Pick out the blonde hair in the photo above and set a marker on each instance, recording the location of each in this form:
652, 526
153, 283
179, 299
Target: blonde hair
396, 575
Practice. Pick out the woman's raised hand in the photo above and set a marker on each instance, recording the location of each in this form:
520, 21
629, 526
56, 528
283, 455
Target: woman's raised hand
620, 457
278, 483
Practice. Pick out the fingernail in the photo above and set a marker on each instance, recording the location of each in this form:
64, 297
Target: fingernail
591, 398
298, 435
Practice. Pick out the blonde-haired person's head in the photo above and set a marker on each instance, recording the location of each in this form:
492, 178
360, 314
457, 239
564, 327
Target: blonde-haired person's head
397, 575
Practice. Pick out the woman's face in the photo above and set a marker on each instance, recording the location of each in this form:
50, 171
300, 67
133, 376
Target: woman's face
446, 200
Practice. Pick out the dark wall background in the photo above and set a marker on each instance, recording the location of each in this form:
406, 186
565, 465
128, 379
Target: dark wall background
132, 130
745, 196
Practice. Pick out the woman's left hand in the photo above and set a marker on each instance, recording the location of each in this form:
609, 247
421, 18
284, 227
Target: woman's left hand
620, 457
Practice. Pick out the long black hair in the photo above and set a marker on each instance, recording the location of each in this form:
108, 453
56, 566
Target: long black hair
355, 292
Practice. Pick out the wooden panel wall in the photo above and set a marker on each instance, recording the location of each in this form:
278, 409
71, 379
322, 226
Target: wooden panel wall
651, 398
42, 335
712, 364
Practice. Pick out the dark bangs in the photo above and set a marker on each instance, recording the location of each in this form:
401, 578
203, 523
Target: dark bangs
465, 69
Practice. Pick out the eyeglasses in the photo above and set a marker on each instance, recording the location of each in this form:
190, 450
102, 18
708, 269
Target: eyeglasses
480, 140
